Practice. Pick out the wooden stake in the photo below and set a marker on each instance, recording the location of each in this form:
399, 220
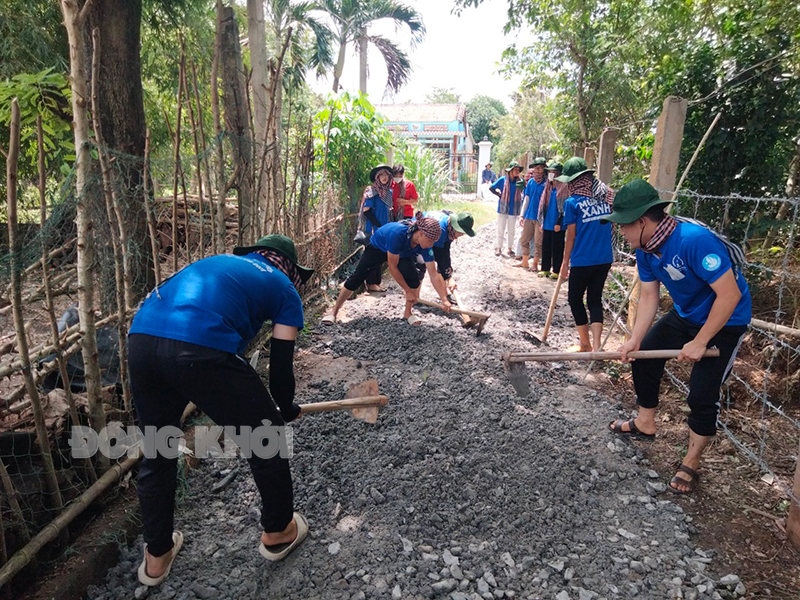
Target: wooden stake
219, 238
11, 496
177, 159
54, 499
148, 206
88, 468
205, 162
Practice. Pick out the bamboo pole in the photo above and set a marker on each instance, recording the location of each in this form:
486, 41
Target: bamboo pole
54, 499
88, 468
177, 166
199, 171
119, 245
206, 169
775, 328
219, 238
11, 496
148, 206
73, 22
587, 356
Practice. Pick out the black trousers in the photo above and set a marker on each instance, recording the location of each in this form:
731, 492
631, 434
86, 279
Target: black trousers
373, 259
552, 250
165, 376
589, 281
671, 332
443, 264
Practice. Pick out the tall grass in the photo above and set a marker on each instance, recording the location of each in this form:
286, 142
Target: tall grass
427, 169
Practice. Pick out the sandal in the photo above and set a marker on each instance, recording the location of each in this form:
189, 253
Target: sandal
281, 551
144, 578
692, 485
328, 320
380, 290
633, 431
543, 273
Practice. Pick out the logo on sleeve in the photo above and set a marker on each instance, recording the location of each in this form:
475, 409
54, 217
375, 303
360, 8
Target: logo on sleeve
712, 262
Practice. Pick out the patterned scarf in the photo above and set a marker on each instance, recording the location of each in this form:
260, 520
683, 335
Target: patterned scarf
539, 178
384, 192
283, 264
505, 196
427, 225
663, 230
402, 187
581, 185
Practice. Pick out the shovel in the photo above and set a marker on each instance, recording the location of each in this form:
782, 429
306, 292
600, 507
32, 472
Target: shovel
362, 400
479, 318
468, 321
513, 362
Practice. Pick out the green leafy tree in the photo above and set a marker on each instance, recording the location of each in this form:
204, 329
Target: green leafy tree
483, 114
442, 96
351, 21
528, 127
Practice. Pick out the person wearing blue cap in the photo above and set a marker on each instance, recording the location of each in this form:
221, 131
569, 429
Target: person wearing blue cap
185, 345
711, 308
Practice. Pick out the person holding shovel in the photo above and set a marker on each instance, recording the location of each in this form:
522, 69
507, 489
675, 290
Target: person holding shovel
587, 251
397, 244
185, 345
453, 227
712, 307
530, 212
377, 210
508, 190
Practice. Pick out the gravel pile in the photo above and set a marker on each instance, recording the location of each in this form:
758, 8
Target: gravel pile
462, 490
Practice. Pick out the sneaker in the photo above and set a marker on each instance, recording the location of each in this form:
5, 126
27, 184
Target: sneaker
497, 252
543, 273
553, 275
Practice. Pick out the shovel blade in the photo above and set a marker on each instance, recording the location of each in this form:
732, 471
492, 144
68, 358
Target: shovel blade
518, 377
365, 388
368, 414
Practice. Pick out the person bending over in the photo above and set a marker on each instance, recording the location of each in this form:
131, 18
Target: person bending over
453, 227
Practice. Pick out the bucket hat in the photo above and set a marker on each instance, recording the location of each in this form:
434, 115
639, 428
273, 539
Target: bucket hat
632, 201
463, 223
374, 173
539, 160
513, 165
574, 167
280, 244
555, 166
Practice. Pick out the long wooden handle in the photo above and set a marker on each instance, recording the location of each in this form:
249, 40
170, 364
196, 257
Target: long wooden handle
464, 318
459, 311
556, 356
551, 310
349, 403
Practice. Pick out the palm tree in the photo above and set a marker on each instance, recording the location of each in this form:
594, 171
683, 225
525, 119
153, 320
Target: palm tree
351, 20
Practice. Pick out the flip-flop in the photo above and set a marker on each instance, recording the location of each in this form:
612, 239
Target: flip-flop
692, 485
616, 427
281, 551
328, 320
144, 578
414, 320
380, 290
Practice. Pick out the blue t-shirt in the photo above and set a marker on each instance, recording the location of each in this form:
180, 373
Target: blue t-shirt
592, 240
379, 209
499, 185
691, 259
551, 215
220, 302
444, 223
396, 239
533, 191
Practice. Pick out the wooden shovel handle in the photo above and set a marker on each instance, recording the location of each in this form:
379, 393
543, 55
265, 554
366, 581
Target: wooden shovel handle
465, 318
556, 356
349, 403
552, 309
459, 311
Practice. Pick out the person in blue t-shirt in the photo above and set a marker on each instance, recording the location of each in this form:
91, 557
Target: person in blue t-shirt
530, 212
508, 190
712, 308
184, 346
453, 227
551, 214
397, 244
376, 211
587, 250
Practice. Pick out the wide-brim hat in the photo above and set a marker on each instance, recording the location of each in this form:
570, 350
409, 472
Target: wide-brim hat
374, 173
280, 244
463, 223
539, 160
513, 165
632, 201
574, 167
556, 166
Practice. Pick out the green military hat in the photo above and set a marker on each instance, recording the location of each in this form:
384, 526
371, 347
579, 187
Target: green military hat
513, 165
632, 201
573, 168
463, 223
280, 244
539, 160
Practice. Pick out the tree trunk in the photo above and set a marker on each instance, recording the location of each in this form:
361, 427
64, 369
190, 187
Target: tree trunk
791, 189
219, 212
256, 31
73, 22
362, 61
237, 123
122, 121
339, 67
579, 96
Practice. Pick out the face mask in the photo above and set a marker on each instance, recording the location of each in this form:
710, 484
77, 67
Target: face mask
397, 179
551, 176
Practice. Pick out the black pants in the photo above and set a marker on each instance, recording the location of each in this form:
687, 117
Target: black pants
443, 264
165, 376
671, 332
589, 281
373, 259
552, 250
